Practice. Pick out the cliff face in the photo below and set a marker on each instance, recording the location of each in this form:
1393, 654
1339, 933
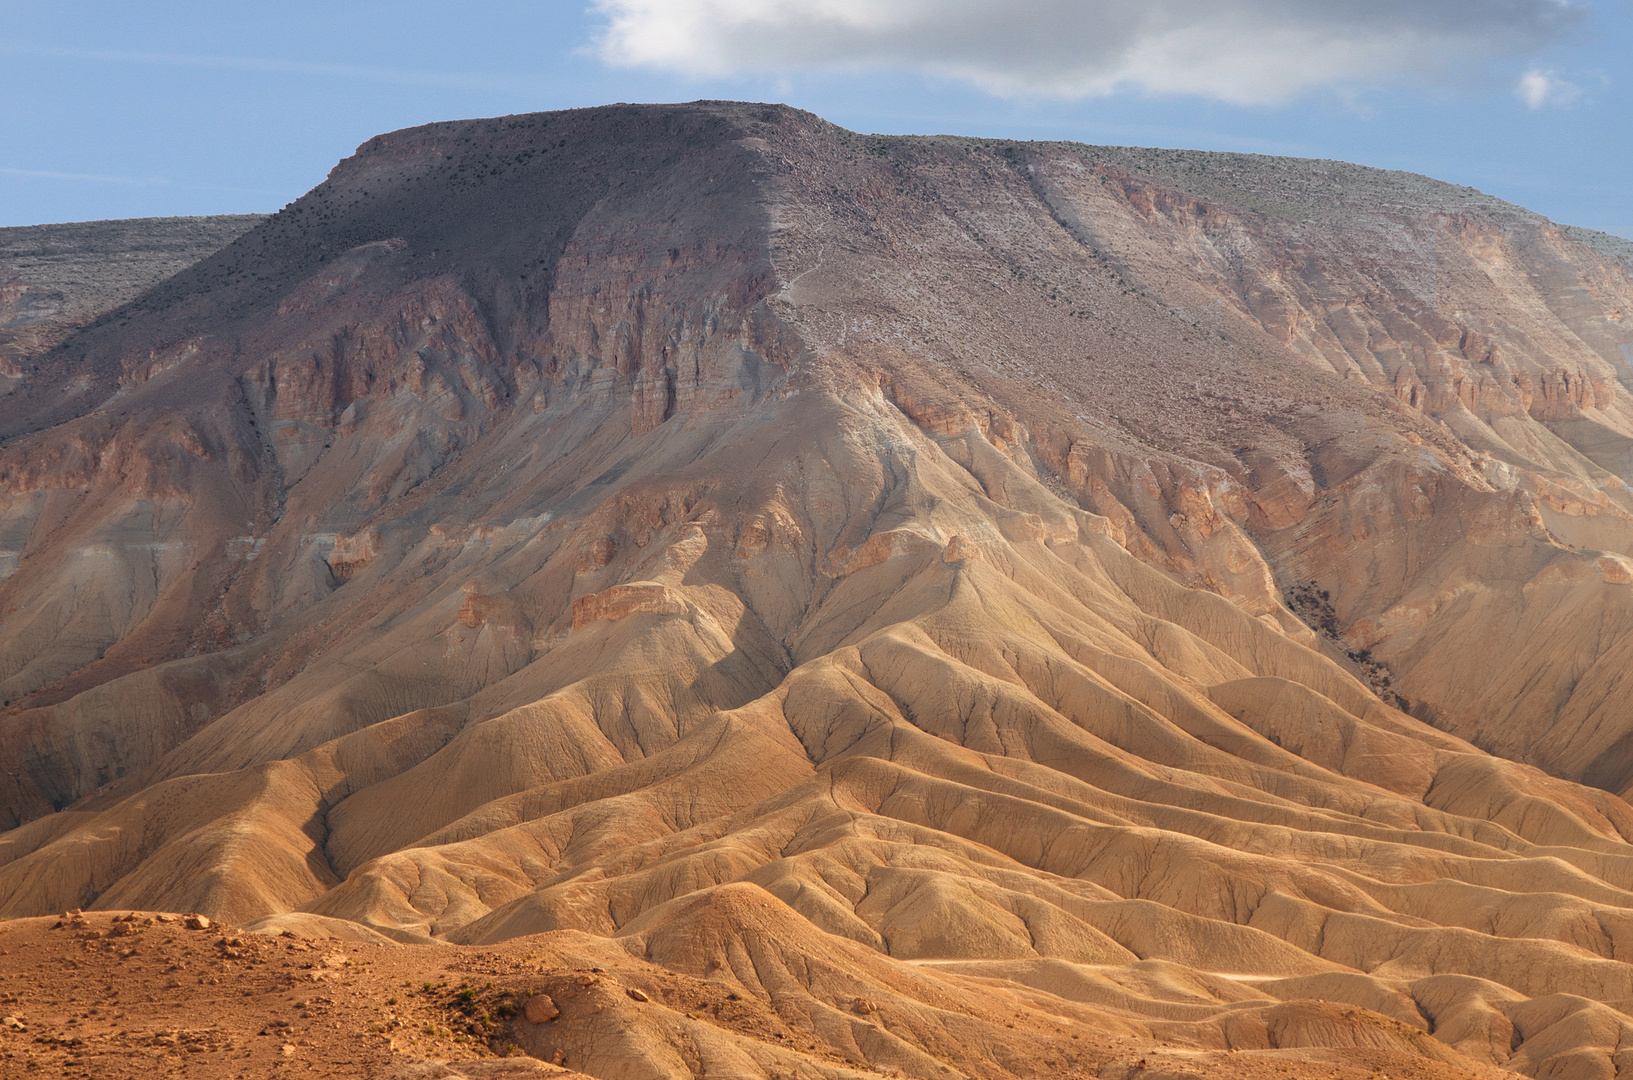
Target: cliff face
1089, 569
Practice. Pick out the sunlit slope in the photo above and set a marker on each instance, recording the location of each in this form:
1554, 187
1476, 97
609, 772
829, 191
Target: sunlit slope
1011, 744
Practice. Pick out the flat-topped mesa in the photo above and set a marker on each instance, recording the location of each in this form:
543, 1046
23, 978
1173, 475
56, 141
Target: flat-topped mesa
626, 240
644, 266
638, 267
54, 278
1011, 558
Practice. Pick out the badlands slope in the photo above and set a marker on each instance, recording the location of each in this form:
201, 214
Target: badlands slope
1179, 598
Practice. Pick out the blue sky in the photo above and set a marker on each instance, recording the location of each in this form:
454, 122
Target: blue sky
183, 107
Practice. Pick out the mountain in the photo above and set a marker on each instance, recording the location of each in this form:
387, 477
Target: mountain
54, 278
1178, 598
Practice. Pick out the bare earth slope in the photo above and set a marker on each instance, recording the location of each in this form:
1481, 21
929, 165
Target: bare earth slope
876, 578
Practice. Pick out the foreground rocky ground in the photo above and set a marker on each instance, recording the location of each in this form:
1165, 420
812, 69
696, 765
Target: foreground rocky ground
134, 994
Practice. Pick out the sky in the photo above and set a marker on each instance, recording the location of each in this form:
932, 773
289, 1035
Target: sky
186, 107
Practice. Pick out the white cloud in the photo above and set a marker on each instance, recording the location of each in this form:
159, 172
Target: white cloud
1538, 88
1240, 51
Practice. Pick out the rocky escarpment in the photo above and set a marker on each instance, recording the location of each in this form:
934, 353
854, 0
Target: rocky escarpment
218, 483
850, 569
1493, 325
1267, 373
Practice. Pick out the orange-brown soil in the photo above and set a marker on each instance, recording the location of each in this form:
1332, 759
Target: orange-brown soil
136, 994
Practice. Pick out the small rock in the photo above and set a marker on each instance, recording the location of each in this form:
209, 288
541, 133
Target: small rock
15, 1023
539, 1009
164, 918
196, 921
585, 980
638, 995
287, 1050
863, 1006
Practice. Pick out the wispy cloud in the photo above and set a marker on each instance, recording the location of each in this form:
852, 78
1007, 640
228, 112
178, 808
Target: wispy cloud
233, 190
1248, 52
46, 174
1538, 89
447, 79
